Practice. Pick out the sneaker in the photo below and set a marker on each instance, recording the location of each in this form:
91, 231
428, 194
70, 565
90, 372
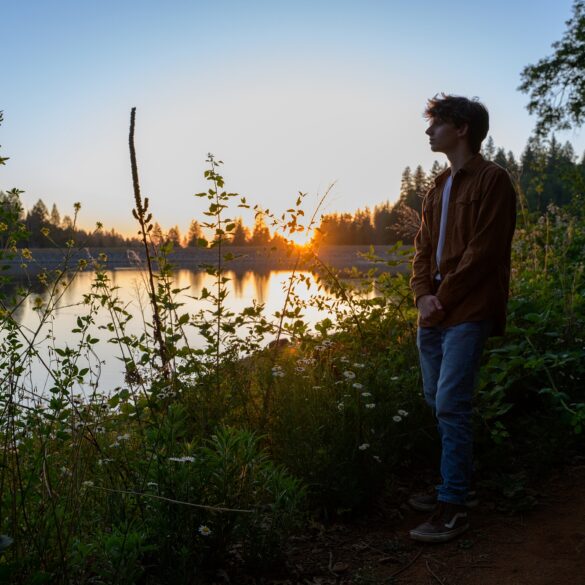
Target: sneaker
428, 502
449, 521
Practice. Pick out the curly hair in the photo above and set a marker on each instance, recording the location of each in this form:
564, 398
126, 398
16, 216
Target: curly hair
459, 111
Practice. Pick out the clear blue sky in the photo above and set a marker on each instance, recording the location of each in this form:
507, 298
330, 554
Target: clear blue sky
291, 95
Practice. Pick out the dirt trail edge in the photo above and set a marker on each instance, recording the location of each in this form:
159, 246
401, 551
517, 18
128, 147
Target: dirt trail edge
545, 546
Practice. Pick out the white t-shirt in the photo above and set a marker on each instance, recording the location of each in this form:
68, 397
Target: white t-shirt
443, 226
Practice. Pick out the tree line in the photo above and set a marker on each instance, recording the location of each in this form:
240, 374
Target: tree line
547, 172
48, 229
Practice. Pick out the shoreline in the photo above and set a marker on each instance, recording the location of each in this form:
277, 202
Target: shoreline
256, 258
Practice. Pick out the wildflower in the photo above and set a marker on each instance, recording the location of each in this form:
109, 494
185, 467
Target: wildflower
394, 378
357, 385
185, 459
278, 372
87, 483
317, 387
124, 437
152, 484
366, 394
403, 413
376, 458
396, 418
26, 253
364, 446
204, 530
45, 231
340, 406
356, 365
344, 359
349, 375
370, 405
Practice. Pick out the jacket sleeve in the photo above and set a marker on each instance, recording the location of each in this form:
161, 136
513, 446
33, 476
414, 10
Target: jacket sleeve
489, 246
421, 281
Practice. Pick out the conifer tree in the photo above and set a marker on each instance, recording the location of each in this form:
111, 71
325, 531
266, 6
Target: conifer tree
55, 218
241, 233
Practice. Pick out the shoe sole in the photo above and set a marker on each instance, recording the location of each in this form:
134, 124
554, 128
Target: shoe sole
438, 538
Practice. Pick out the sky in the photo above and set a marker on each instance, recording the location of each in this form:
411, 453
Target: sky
292, 96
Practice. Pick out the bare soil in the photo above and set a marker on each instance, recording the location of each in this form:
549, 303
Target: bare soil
543, 546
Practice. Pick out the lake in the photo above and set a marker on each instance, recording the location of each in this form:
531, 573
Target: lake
129, 285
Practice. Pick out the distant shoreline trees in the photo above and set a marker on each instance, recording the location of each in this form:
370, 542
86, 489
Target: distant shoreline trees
547, 172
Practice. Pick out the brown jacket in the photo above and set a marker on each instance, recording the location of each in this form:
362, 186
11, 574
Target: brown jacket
475, 262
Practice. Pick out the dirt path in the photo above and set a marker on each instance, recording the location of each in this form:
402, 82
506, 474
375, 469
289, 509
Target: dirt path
545, 546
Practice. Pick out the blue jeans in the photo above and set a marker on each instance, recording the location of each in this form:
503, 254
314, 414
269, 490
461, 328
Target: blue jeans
449, 359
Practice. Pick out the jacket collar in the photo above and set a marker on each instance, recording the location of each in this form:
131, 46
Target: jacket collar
469, 167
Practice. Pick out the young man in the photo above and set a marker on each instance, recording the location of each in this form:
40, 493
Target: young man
460, 279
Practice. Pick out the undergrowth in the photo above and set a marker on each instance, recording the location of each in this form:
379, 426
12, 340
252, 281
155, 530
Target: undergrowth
214, 453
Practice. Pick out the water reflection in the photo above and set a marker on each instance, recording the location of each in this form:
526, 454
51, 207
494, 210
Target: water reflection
129, 286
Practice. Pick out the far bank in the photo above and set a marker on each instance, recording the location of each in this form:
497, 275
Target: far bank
257, 258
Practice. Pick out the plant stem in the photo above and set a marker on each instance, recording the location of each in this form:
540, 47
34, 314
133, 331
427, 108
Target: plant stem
140, 216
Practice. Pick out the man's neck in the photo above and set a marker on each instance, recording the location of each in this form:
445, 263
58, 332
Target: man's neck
458, 158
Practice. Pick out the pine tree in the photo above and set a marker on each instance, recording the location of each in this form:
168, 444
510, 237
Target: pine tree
512, 165
36, 220
500, 158
241, 233
363, 231
533, 164
55, 216
174, 236
156, 234
420, 186
260, 233
194, 235
488, 150
382, 219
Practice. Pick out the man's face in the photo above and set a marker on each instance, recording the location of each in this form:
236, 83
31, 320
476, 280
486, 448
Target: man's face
443, 136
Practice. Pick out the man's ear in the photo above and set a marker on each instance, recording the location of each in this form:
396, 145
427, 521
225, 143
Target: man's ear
462, 130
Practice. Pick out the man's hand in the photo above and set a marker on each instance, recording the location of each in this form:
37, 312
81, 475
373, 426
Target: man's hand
430, 310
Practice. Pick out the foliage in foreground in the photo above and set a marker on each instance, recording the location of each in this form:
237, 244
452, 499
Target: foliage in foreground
212, 454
